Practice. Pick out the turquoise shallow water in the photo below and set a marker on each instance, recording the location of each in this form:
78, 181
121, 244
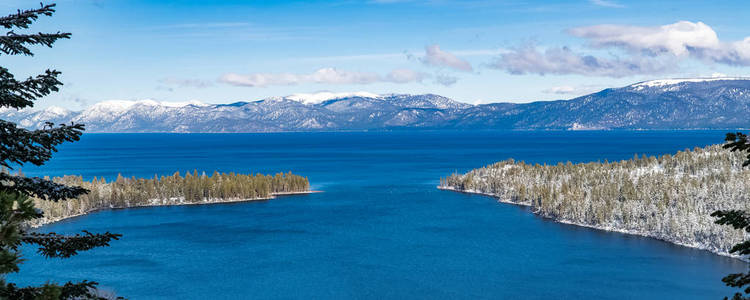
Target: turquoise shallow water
380, 229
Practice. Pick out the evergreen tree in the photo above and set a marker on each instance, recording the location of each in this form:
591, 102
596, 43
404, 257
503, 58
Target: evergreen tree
19, 146
738, 219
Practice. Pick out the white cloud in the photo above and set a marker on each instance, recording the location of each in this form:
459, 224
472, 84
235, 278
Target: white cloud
434, 56
733, 53
565, 89
335, 76
321, 76
260, 79
196, 83
405, 76
528, 59
445, 80
606, 3
678, 39
682, 39
571, 90
648, 50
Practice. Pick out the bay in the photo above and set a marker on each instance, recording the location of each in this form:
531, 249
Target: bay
380, 229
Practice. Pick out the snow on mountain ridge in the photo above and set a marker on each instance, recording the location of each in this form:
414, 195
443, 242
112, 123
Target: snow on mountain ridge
122, 105
316, 98
699, 104
668, 82
111, 110
56, 110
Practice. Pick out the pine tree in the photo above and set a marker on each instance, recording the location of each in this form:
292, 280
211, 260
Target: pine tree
738, 219
19, 146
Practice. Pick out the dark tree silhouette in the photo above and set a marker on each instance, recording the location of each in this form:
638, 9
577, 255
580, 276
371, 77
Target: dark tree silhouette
19, 146
739, 220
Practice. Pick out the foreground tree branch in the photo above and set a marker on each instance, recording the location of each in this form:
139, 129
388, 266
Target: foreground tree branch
738, 219
19, 146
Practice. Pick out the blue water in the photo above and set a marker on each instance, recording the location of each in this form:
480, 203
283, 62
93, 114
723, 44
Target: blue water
380, 230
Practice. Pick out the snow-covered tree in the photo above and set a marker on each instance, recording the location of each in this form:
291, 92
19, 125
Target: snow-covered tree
669, 197
167, 190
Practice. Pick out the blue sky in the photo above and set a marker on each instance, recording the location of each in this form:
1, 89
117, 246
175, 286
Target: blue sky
473, 51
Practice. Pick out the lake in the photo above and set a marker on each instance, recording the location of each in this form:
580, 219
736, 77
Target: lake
380, 229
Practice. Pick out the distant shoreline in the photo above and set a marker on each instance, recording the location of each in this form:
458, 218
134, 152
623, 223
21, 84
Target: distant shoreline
46, 221
409, 129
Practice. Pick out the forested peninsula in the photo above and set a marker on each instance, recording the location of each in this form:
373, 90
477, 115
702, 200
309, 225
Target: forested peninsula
168, 190
670, 197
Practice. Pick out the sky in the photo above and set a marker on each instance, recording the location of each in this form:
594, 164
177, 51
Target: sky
474, 51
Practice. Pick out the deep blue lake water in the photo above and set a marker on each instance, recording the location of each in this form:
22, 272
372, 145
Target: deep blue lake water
380, 229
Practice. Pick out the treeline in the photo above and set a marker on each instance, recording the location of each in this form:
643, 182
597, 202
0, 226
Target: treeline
169, 190
669, 197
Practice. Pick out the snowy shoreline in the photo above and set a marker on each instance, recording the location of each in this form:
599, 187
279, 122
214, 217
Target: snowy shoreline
604, 228
45, 221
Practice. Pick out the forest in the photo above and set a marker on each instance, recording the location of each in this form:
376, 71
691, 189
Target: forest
670, 197
175, 189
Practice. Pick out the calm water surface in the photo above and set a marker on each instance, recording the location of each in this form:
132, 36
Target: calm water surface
380, 230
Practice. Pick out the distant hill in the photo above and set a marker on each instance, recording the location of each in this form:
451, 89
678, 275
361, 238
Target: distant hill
700, 103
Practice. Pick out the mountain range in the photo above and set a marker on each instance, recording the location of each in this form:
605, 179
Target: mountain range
699, 103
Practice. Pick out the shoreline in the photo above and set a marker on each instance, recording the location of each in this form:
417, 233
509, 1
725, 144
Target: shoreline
45, 221
603, 228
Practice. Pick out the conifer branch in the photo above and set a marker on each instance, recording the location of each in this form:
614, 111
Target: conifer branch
22, 19
70, 290
738, 142
40, 188
14, 44
20, 94
64, 246
21, 145
736, 218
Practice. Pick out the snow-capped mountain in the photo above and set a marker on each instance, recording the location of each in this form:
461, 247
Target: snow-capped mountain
38, 118
316, 98
697, 103
679, 81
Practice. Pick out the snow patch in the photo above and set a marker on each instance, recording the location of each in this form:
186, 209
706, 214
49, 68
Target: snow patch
122, 105
56, 110
668, 82
579, 126
315, 98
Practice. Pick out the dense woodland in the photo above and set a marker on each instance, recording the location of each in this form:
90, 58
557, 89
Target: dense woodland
670, 197
176, 189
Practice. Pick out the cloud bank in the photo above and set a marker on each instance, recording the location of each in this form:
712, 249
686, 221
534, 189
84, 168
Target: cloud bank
194, 83
445, 80
678, 39
645, 51
561, 61
434, 56
681, 39
571, 90
322, 76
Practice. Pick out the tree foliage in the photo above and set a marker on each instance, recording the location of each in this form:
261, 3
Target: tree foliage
175, 189
738, 219
669, 197
19, 146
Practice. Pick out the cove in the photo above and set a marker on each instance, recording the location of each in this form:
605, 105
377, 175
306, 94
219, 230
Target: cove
379, 229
